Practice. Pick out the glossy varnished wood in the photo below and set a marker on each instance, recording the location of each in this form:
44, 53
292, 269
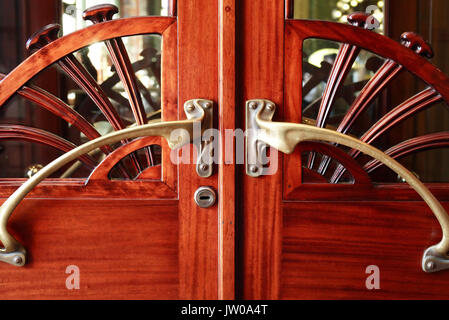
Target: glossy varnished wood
124, 249
226, 182
198, 78
327, 247
259, 63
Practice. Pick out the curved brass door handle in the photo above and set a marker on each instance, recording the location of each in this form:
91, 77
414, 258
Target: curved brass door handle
177, 134
285, 136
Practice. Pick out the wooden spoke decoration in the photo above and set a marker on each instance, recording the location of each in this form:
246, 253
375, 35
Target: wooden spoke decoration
345, 59
47, 48
408, 55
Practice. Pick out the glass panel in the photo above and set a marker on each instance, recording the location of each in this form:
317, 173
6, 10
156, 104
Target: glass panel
318, 59
145, 55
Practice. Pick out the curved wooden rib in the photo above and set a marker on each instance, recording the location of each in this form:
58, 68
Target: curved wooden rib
59, 108
78, 73
346, 92
102, 171
63, 46
430, 141
405, 110
375, 85
376, 43
18, 132
359, 175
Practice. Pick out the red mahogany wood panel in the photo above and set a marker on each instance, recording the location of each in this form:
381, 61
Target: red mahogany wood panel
226, 182
197, 78
125, 249
259, 57
326, 247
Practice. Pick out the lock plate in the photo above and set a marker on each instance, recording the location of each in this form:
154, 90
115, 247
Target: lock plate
205, 197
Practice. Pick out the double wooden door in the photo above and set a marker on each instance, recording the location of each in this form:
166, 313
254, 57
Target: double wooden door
273, 236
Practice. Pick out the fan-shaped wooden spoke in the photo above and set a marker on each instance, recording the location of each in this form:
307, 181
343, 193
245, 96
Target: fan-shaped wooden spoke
346, 57
48, 49
122, 63
346, 92
408, 147
377, 83
18, 132
405, 110
389, 71
43, 42
145, 63
83, 79
59, 108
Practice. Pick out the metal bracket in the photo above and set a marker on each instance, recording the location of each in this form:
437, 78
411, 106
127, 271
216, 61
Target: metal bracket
16, 258
204, 164
432, 261
256, 150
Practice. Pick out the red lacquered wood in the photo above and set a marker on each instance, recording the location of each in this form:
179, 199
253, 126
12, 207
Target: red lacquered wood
260, 61
408, 108
340, 69
102, 171
315, 265
327, 247
226, 174
169, 98
148, 55
408, 147
289, 7
197, 78
372, 89
99, 189
124, 249
377, 83
416, 43
23, 133
59, 108
151, 173
311, 176
348, 192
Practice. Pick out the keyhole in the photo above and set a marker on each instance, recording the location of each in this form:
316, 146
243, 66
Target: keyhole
205, 197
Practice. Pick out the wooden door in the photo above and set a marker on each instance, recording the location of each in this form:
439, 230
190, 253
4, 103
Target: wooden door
139, 238
301, 236
290, 234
